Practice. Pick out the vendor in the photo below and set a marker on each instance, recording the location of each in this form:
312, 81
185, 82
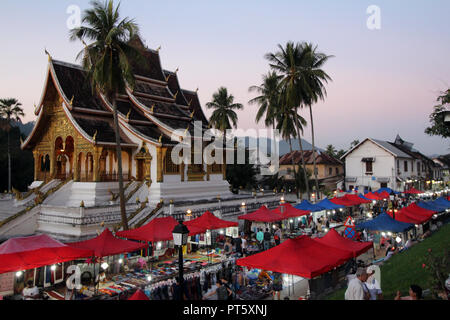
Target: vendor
228, 247
101, 277
30, 292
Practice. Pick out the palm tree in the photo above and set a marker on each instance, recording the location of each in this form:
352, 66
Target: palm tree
285, 62
224, 116
303, 79
268, 98
331, 150
286, 120
107, 61
10, 109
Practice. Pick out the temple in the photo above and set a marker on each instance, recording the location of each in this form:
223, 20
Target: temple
73, 139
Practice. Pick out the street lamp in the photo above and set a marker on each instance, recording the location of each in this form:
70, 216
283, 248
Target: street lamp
180, 236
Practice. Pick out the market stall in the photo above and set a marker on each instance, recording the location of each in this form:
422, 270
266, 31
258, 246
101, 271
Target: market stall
384, 222
33, 252
333, 239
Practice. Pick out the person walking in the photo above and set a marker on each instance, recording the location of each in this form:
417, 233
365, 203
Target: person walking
267, 239
277, 284
260, 238
277, 236
356, 289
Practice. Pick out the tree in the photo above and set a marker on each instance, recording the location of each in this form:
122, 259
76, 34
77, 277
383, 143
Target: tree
286, 63
268, 98
286, 119
224, 116
10, 109
340, 153
241, 175
107, 61
354, 143
331, 151
437, 117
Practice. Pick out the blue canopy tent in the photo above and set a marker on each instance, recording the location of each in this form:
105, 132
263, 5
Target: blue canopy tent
430, 206
308, 206
328, 205
388, 190
384, 222
442, 202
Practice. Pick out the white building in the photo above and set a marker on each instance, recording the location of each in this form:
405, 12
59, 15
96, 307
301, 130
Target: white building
374, 164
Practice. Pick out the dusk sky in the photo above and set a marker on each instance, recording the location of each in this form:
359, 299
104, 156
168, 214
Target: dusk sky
385, 82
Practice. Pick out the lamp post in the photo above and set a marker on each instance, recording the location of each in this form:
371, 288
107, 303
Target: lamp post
180, 235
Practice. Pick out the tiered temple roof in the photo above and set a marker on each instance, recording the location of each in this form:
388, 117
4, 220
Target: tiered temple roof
153, 110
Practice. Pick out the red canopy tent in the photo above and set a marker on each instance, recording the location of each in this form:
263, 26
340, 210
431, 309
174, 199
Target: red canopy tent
356, 199
413, 191
286, 210
107, 245
373, 196
413, 214
37, 251
209, 221
348, 200
139, 295
262, 215
333, 239
159, 229
301, 256
384, 195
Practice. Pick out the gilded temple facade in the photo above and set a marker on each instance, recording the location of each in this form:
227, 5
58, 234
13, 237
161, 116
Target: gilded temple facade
74, 139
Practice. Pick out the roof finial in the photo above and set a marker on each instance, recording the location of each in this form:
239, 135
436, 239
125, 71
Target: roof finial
94, 138
178, 69
196, 91
159, 48
21, 140
168, 77
192, 114
71, 101
152, 110
176, 94
189, 103
160, 138
48, 54
186, 131
128, 114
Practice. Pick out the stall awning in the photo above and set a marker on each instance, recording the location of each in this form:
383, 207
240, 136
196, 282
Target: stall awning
139, 295
286, 210
302, 256
308, 206
262, 215
431, 206
442, 202
328, 205
384, 222
37, 251
333, 239
107, 245
208, 221
413, 191
159, 229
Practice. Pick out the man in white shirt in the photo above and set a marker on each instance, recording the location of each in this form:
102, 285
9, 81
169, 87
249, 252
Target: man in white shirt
357, 290
30, 292
373, 285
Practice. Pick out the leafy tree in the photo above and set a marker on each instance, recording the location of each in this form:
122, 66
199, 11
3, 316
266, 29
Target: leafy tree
437, 117
10, 110
354, 143
107, 60
22, 171
242, 175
